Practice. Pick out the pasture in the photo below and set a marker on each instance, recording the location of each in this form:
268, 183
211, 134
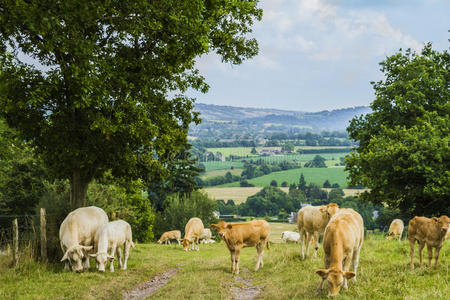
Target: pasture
315, 175
221, 173
383, 274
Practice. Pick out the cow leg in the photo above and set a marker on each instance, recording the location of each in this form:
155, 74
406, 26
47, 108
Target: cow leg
421, 246
119, 257
260, 250
169, 242
126, 254
302, 243
86, 262
111, 264
436, 257
411, 253
308, 242
430, 255
197, 242
346, 267
238, 254
233, 261
179, 243
316, 243
355, 262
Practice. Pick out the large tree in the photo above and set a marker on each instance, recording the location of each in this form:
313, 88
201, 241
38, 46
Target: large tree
106, 91
403, 155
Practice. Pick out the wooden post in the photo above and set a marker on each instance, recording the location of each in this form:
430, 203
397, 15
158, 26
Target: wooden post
15, 243
43, 236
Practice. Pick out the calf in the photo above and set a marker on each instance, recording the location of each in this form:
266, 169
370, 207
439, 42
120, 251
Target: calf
342, 243
77, 233
192, 232
170, 235
236, 236
395, 230
112, 236
311, 222
427, 231
290, 236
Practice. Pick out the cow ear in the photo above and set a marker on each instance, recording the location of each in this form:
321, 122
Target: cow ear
349, 275
93, 255
216, 226
434, 219
111, 257
87, 248
322, 273
323, 209
229, 226
66, 256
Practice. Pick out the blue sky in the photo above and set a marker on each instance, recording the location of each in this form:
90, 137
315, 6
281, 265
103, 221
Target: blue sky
322, 54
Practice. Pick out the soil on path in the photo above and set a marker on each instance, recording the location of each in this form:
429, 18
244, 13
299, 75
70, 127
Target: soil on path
243, 289
147, 288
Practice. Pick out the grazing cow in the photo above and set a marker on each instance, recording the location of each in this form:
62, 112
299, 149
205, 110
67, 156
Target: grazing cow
311, 222
236, 236
427, 231
206, 235
290, 236
112, 236
395, 230
192, 232
77, 234
170, 235
342, 243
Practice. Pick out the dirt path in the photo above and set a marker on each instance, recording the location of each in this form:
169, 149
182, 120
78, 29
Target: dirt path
147, 288
243, 289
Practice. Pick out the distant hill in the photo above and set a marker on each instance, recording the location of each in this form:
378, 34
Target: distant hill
222, 121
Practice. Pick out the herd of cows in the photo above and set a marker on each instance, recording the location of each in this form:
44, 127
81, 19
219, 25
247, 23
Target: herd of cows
86, 232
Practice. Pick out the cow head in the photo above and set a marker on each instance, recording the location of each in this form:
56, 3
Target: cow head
186, 242
160, 241
101, 259
329, 210
442, 223
335, 279
75, 255
390, 236
222, 227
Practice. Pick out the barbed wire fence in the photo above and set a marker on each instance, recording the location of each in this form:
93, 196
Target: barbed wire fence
28, 237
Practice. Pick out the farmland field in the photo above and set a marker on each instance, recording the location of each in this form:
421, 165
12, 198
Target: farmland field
221, 173
383, 273
244, 151
315, 175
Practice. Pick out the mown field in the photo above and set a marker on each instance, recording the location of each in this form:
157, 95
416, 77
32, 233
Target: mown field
240, 194
314, 175
383, 274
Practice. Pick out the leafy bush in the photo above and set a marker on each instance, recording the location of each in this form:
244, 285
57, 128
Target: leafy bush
178, 211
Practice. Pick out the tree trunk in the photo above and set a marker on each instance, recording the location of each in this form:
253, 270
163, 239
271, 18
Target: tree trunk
78, 190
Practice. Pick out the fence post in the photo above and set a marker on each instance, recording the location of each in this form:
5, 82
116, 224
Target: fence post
43, 236
15, 243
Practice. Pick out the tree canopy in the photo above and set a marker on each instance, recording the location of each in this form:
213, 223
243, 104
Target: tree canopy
106, 91
403, 155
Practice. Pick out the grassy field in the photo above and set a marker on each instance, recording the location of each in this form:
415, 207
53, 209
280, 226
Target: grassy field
243, 151
315, 175
222, 165
383, 274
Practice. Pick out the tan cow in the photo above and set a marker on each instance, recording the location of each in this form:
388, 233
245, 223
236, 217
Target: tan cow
427, 231
311, 222
170, 235
342, 243
395, 230
192, 232
249, 234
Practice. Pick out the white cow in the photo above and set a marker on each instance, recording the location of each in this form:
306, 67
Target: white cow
207, 241
206, 235
76, 235
290, 236
112, 236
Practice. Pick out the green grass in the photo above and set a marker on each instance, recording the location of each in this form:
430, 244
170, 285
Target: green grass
315, 175
221, 173
222, 165
383, 273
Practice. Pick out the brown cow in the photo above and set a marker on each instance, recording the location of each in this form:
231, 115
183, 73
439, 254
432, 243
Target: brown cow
342, 243
427, 231
170, 235
192, 232
236, 236
395, 230
311, 222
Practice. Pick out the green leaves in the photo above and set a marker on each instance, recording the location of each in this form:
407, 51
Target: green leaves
403, 154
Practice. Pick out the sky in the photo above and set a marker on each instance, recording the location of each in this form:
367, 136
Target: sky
322, 54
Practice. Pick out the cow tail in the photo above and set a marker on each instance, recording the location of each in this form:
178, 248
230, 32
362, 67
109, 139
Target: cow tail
268, 245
